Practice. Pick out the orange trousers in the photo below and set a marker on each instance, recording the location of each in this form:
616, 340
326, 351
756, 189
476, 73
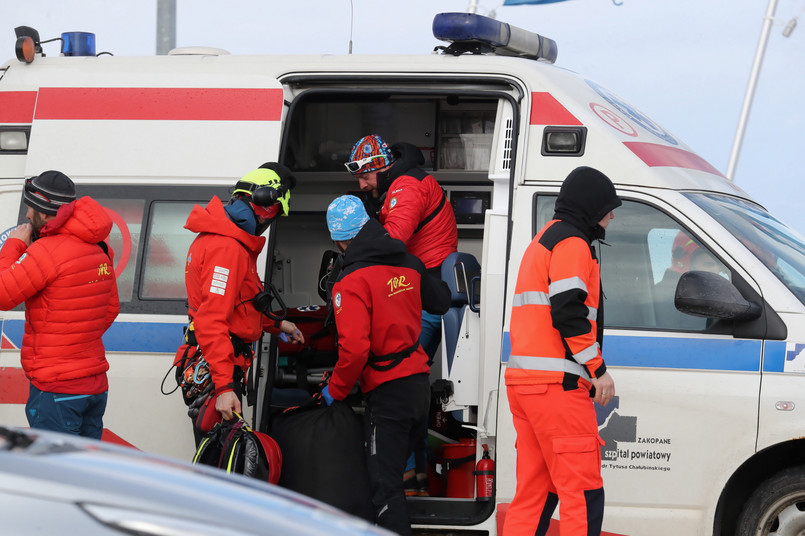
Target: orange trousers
558, 460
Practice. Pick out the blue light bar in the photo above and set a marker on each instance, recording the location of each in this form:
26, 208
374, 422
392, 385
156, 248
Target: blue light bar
78, 44
468, 32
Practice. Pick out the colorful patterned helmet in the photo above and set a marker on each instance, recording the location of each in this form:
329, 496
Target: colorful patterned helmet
369, 154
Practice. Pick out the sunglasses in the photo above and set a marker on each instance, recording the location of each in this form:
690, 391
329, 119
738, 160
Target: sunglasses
355, 165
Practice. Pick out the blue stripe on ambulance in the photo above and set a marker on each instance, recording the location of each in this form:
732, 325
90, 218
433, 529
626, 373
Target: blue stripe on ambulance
132, 337
686, 353
774, 356
620, 351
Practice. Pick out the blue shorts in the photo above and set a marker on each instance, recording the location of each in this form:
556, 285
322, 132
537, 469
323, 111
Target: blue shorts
71, 414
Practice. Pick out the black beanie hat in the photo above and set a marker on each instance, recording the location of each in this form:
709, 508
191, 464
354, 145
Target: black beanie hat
47, 192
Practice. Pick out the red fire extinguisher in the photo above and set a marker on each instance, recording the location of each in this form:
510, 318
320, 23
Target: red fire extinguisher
485, 476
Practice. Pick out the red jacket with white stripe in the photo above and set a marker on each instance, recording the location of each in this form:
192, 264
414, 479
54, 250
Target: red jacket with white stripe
221, 280
68, 284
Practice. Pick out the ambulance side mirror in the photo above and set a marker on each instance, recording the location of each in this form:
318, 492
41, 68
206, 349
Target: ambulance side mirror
709, 295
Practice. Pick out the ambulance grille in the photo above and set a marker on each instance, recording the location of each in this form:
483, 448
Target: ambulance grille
508, 137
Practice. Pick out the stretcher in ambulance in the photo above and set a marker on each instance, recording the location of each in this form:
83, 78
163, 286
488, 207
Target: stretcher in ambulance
705, 290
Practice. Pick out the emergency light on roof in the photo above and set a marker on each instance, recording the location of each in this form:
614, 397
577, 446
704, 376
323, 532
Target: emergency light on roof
78, 44
477, 34
28, 44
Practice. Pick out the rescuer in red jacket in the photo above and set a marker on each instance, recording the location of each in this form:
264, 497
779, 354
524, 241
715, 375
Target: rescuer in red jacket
60, 266
413, 208
378, 299
222, 281
556, 331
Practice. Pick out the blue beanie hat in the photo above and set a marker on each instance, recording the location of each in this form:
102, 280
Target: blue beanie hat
346, 217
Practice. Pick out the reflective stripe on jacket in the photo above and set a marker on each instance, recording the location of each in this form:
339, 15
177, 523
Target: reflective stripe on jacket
221, 279
554, 330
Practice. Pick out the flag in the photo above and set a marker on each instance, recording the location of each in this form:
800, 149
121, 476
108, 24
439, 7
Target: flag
524, 2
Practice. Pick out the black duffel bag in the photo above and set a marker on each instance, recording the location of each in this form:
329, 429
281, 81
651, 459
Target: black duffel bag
323, 456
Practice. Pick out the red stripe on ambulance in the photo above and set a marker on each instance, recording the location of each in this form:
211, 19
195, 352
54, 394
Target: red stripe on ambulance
6, 344
165, 104
17, 106
13, 386
656, 155
546, 110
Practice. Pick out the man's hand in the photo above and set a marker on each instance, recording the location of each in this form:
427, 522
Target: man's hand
226, 403
22, 232
604, 389
293, 333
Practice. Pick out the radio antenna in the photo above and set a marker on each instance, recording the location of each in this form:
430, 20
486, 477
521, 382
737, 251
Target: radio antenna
351, 13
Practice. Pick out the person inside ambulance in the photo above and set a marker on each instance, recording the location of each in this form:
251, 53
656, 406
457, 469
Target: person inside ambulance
686, 254
378, 300
413, 208
222, 282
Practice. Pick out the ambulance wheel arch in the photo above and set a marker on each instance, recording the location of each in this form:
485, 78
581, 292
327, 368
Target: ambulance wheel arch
766, 496
777, 506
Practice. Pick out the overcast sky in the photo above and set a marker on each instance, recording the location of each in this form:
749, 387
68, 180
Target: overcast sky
684, 63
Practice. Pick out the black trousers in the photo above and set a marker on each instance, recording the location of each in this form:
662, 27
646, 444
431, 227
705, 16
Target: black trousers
395, 413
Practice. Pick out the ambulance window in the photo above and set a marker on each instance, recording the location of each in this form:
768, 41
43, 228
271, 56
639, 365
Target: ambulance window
166, 249
150, 242
124, 239
649, 253
453, 132
645, 254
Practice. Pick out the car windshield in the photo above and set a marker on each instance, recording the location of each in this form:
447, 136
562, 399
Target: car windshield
777, 246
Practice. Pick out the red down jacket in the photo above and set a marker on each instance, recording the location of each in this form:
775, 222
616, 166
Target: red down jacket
221, 279
68, 284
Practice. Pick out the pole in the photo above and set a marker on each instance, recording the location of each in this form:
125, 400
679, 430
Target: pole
750, 89
166, 26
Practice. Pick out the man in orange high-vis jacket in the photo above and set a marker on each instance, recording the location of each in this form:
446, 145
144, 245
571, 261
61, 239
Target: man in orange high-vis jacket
555, 367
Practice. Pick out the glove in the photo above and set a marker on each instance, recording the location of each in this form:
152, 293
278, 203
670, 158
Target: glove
325, 394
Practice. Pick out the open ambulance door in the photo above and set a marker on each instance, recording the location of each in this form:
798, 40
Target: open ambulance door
467, 133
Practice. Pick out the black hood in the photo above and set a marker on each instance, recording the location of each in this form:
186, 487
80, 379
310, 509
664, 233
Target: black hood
586, 196
406, 156
373, 245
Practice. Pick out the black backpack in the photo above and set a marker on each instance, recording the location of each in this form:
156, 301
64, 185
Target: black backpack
236, 448
323, 455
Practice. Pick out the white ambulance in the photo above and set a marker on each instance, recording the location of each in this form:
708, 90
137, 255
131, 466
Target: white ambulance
707, 434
